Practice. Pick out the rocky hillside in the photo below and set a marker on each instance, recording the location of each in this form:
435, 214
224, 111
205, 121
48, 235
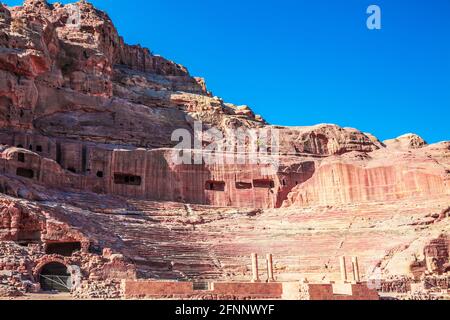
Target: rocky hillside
86, 162
66, 72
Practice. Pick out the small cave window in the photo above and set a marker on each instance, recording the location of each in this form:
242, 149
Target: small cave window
243, 185
95, 249
26, 173
39, 148
21, 157
215, 185
263, 183
201, 286
284, 182
72, 169
20, 146
127, 179
30, 147
100, 174
65, 249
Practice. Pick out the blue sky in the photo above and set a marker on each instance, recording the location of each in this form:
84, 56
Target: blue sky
302, 62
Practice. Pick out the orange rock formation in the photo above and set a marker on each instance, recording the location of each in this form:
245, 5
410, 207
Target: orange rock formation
88, 180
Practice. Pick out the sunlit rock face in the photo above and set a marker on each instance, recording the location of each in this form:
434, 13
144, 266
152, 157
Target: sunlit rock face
90, 108
406, 141
87, 161
383, 175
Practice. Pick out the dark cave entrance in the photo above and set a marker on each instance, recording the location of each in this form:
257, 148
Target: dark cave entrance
127, 179
54, 276
65, 249
215, 185
26, 173
21, 157
263, 183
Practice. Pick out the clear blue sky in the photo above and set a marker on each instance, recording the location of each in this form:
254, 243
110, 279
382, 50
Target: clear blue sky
302, 62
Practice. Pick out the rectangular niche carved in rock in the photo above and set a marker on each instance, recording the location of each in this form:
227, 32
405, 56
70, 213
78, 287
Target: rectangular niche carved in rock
263, 183
21, 157
215, 185
26, 173
243, 185
127, 179
63, 248
58, 153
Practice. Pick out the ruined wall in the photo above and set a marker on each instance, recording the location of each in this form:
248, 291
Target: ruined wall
185, 290
32, 238
20, 269
328, 291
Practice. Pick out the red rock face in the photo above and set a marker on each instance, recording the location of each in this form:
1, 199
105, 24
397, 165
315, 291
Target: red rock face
88, 166
72, 83
437, 255
383, 175
19, 224
87, 162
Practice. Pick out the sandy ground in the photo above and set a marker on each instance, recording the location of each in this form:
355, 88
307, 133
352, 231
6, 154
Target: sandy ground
43, 296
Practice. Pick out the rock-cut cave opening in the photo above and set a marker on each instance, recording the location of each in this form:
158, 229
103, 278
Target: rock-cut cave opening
65, 249
54, 276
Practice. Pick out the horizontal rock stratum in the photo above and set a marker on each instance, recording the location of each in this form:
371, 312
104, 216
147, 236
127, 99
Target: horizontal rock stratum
88, 177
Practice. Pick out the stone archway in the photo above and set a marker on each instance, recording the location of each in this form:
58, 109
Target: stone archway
54, 276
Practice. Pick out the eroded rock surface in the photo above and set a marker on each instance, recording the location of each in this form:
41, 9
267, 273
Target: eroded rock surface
88, 179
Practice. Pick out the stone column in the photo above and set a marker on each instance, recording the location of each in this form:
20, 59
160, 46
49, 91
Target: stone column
355, 268
269, 261
343, 269
255, 277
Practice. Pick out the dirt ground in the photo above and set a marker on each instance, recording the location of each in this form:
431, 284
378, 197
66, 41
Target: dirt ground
43, 296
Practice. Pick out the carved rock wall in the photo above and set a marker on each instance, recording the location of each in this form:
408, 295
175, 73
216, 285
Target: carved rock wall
382, 175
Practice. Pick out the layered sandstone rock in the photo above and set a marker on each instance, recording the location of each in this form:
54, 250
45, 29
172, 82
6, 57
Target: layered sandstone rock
377, 176
325, 140
407, 141
79, 91
67, 73
87, 165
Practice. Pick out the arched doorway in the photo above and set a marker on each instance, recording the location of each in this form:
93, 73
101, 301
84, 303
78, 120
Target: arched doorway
54, 276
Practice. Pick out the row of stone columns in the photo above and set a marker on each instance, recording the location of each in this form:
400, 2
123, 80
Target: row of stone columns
269, 266
270, 276
355, 269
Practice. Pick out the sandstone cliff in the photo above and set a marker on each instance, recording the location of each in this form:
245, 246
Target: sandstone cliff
378, 176
87, 162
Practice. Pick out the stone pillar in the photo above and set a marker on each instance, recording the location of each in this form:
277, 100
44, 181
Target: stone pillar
269, 261
255, 277
355, 268
343, 269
